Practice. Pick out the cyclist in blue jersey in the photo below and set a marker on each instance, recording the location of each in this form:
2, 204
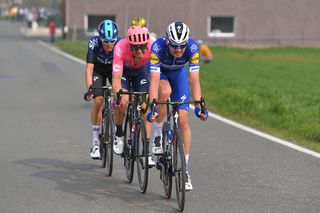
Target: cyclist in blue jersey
169, 78
98, 70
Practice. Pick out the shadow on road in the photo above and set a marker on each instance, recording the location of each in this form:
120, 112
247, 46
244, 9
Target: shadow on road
90, 182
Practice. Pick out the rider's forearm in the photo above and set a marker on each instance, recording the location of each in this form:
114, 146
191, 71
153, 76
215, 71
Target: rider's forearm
116, 82
88, 74
154, 86
195, 85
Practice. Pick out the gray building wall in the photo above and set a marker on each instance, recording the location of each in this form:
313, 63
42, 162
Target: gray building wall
256, 22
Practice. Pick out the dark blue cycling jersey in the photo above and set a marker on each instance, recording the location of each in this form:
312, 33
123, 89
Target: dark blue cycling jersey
102, 61
96, 55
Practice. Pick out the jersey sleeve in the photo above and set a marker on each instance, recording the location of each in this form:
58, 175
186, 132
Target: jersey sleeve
154, 57
92, 44
117, 66
194, 62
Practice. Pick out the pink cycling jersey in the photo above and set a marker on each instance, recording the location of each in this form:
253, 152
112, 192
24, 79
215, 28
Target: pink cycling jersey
122, 56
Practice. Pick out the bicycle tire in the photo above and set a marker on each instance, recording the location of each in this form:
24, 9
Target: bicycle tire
102, 138
179, 168
110, 128
141, 155
167, 162
127, 149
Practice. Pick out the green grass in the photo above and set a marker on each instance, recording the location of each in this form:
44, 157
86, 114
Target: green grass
275, 90
78, 48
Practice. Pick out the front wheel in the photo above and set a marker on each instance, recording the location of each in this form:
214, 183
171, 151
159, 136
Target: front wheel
127, 149
179, 165
142, 152
110, 127
167, 162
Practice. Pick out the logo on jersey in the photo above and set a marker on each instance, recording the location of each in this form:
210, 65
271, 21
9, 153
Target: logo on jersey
118, 51
116, 68
193, 48
154, 58
156, 48
195, 58
93, 43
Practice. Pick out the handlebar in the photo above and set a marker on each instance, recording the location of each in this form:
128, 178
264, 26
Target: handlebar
178, 103
137, 94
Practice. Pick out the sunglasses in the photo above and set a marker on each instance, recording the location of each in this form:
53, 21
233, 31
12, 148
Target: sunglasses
107, 41
176, 46
138, 47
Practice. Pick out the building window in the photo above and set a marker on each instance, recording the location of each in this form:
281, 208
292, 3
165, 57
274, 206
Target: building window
91, 22
221, 26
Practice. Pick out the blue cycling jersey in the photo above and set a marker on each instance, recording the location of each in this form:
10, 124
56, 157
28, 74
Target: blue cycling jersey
96, 55
161, 58
174, 69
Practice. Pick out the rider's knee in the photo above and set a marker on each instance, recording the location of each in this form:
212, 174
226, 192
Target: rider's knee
184, 122
164, 93
98, 101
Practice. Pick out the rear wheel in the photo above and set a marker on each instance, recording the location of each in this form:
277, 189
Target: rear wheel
179, 165
127, 149
142, 152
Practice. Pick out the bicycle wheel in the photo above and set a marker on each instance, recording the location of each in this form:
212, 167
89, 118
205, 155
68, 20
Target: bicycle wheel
167, 162
141, 155
110, 127
102, 138
127, 149
179, 169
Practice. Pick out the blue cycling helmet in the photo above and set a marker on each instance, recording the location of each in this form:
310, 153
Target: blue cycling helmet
108, 31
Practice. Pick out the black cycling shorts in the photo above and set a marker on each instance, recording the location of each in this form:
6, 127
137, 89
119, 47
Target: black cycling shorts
99, 79
139, 80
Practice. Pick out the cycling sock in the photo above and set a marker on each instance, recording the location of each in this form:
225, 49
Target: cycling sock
119, 132
187, 162
157, 128
95, 132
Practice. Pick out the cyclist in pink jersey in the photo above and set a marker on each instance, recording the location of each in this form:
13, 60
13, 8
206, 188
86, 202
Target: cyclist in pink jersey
130, 63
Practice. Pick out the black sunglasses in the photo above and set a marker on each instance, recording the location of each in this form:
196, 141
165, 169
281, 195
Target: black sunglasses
139, 47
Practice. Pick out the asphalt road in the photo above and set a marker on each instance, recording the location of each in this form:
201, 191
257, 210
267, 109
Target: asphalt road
45, 138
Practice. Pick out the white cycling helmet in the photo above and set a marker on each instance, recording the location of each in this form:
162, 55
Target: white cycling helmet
178, 33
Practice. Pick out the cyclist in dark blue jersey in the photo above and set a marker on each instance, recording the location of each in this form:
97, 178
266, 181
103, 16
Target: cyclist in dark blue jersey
170, 56
98, 70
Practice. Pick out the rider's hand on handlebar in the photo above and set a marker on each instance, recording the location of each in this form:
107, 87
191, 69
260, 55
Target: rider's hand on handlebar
199, 114
151, 117
88, 96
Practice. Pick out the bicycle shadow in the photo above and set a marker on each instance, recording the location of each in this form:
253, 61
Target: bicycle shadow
90, 182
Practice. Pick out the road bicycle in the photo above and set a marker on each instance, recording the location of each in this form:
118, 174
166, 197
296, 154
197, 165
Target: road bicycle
136, 147
107, 131
172, 162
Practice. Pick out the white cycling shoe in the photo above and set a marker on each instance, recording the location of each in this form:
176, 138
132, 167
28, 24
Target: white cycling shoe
118, 145
95, 151
188, 186
151, 161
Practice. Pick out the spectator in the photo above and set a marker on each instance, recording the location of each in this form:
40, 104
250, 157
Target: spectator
52, 30
204, 52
